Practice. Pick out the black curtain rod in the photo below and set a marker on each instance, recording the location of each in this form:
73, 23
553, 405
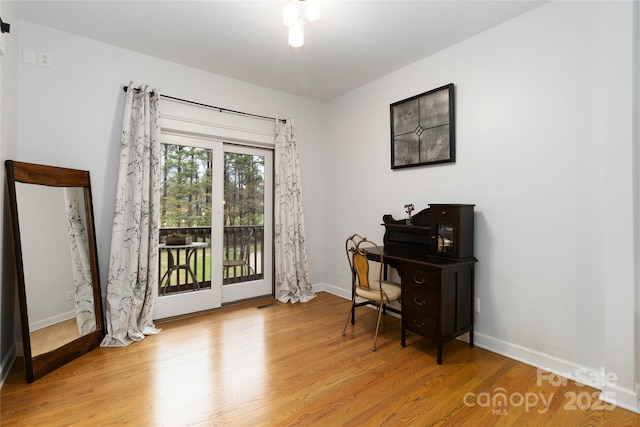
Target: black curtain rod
220, 109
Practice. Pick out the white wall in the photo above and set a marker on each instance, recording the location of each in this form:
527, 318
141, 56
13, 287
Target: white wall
71, 115
544, 145
636, 177
8, 141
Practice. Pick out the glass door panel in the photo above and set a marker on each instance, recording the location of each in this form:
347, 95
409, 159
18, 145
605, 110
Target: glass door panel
445, 238
185, 219
248, 194
188, 279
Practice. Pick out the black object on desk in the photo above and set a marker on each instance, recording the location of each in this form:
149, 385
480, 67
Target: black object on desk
434, 258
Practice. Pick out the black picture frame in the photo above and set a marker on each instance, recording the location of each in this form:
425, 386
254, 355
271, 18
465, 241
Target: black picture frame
423, 129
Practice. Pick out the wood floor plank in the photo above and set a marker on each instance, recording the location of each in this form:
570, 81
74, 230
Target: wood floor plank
289, 365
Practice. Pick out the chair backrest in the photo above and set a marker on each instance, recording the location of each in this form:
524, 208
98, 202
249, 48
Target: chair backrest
361, 268
245, 241
358, 248
237, 243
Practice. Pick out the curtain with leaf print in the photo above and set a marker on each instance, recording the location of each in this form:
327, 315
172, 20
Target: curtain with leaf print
133, 262
80, 262
293, 282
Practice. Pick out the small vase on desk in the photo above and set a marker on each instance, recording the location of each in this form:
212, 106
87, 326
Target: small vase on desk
409, 221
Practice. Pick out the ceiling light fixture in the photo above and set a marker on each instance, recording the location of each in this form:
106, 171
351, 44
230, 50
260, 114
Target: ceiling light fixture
291, 18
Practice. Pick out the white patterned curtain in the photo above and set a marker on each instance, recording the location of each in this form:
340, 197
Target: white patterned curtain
133, 264
293, 282
80, 262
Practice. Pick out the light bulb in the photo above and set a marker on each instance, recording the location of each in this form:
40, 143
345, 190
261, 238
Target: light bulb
296, 33
290, 12
312, 10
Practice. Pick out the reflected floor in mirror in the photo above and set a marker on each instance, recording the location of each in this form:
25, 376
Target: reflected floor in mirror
54, 336
265, 363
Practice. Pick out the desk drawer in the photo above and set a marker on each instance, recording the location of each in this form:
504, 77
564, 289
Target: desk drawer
420, 276
420, 282
423, 325
423, 300
445, 213
420, 292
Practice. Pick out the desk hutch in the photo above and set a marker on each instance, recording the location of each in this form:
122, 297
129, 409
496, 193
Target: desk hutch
434, 258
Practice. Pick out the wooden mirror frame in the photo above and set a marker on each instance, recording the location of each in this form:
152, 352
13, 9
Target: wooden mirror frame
29, 173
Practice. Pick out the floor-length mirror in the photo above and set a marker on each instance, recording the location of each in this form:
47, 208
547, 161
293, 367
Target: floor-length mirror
53, 234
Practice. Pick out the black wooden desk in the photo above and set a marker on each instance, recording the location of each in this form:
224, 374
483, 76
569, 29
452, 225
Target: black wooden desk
437, 295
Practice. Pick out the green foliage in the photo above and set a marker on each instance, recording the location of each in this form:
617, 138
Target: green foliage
187, 182
243, 189
186, 192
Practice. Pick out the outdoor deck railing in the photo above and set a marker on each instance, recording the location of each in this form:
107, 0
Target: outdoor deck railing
200, 262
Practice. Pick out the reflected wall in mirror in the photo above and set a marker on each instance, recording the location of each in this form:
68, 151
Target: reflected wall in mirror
56, 263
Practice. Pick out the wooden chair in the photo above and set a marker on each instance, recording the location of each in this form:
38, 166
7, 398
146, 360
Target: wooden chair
375, 290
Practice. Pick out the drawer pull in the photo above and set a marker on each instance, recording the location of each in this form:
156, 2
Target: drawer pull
418, 324
419, 301
419, 282
444, 212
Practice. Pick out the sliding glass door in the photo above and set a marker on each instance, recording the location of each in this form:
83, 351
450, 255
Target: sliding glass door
215, 225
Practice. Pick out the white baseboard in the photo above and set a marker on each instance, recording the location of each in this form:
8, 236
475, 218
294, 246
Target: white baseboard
52, 320
593, 377
616, 395
333, 290
620, 396
6, 364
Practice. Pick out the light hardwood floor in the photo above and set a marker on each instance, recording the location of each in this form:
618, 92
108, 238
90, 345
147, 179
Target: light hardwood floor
288, 365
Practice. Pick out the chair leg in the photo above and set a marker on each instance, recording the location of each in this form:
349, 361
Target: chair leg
375, 339
349, 316
353, 312
249, 269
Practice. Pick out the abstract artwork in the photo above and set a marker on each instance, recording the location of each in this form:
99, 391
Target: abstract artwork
423, 129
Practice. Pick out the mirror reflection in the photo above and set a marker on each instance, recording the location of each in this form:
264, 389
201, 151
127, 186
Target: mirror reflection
445, 239
55, 251
56, 264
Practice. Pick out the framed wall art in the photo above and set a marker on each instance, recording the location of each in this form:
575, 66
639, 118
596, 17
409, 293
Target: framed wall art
423, 129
